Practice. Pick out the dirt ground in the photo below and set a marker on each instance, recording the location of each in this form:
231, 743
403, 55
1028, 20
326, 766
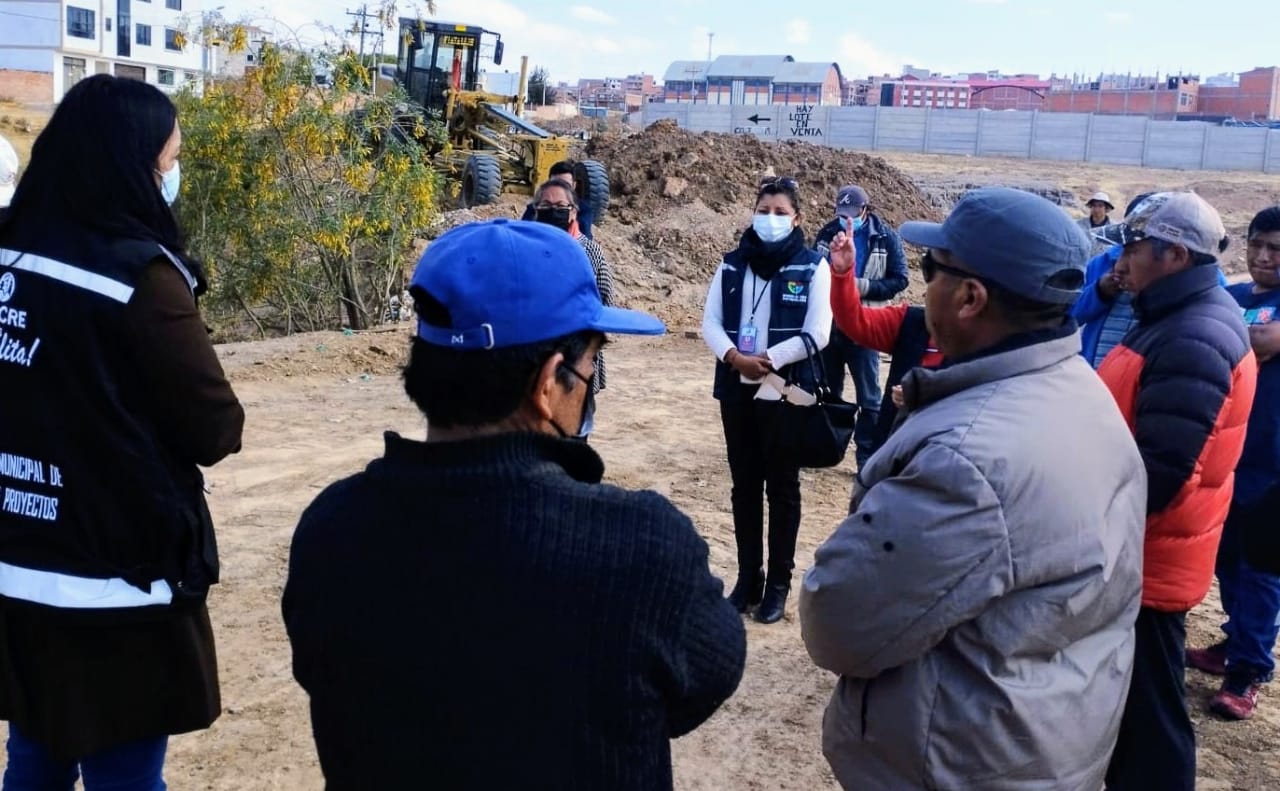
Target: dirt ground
317, 406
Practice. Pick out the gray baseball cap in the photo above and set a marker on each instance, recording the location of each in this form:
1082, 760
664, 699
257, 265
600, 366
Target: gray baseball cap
1182, 218
850, 200
1017, 240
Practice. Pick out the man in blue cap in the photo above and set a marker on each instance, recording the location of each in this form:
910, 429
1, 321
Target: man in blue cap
880, 270
478, 610
983, 590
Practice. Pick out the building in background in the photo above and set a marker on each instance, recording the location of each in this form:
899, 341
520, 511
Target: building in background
1007, 92
753, 80
1253, 96
814, 84
55, 44
641, 88
743, 79
936, 93
606, 93
1111, 94
220, 61
685, 81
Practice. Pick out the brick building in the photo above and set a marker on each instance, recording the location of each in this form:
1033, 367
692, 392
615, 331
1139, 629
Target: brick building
1016, 92
1255, 97
808, 83
865, 92
938, 93
1165, 99
743, 79
642, 84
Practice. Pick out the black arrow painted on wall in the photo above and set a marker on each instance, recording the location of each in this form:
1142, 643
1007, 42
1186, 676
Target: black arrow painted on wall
755, 119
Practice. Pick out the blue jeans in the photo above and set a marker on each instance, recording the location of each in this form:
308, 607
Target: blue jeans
864, 369
1251, 600
129, 767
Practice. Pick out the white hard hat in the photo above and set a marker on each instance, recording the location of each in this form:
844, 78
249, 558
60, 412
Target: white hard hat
8, 172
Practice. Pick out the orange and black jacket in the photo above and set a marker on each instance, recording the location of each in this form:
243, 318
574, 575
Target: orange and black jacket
1184, 378
898, 330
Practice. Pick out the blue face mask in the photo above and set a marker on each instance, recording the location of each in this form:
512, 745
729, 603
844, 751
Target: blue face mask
850, 224
772, 227
170, 183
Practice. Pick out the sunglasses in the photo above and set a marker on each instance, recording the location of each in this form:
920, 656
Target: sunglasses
786, 182
930, 267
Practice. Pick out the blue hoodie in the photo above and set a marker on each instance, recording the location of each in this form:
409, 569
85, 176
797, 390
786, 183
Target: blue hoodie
1259, 467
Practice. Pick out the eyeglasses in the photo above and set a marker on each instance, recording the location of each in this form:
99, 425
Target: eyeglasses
930, 267
589, 400
786, 182
554, 206
577, 375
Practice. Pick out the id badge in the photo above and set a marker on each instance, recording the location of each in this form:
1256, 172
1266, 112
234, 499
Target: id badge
747, 339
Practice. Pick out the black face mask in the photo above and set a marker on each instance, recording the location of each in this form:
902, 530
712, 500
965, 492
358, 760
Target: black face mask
559, 217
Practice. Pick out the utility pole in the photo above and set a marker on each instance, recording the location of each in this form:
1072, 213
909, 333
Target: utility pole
706, 75
363, 15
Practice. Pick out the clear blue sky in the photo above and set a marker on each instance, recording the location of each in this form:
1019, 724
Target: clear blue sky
600, 38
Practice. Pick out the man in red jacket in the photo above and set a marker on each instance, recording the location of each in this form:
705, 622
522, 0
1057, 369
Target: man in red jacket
1184, 378
898, 330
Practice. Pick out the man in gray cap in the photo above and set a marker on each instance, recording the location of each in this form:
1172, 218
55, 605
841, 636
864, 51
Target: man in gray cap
1184, 378
880, 268
978, 602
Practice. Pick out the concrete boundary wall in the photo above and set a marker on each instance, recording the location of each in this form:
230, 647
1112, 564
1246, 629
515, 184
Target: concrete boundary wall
1066, 137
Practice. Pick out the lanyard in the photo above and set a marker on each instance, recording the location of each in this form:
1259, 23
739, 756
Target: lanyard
755, 301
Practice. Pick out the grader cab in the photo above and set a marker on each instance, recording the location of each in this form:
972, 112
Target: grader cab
490, 147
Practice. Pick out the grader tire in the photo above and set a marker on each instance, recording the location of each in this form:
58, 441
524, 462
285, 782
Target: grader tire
481, 180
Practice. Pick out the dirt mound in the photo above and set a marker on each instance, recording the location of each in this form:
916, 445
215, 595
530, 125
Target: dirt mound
666, 166
680, 200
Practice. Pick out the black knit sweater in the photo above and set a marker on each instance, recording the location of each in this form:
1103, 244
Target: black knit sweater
487, 614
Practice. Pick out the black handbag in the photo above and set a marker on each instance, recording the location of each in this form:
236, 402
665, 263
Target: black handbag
817, 435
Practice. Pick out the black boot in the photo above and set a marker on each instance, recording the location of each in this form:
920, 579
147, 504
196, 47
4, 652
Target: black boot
774, 603
747, 591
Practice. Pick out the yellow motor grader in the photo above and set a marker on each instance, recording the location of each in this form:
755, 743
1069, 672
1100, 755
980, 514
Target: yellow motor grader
490, 147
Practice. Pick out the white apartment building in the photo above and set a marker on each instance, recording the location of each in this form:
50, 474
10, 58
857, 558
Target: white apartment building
71, 39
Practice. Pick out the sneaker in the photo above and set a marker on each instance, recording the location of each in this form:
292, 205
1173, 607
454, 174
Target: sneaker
1211, 660
1235, 702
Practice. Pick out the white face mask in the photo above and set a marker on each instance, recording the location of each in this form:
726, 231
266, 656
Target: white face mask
772, 227
170, 182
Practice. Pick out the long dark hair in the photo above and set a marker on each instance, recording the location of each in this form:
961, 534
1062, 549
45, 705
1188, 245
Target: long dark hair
93, 166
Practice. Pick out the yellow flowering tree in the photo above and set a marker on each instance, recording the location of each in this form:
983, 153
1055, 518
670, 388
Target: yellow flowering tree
302, 205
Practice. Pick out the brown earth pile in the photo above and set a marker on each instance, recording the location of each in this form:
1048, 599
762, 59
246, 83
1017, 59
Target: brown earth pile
680, 200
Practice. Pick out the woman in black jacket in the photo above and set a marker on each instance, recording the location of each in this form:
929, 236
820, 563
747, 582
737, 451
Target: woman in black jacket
113, 397
765, 294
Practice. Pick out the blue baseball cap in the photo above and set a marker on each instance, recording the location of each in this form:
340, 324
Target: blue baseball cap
511, 282
1015, 239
